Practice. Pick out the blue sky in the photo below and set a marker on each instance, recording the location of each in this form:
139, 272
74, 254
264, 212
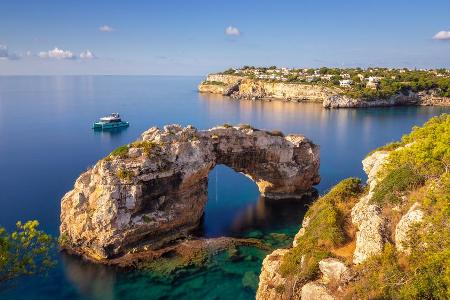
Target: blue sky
190, 37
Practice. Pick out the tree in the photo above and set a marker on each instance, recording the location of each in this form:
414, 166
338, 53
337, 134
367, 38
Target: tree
25, 251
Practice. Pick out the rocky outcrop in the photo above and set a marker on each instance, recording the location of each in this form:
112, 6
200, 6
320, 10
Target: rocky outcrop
154, 190
367, 216
272, 285
341, 101
402, 230
333, 270
315, 291
220, 84
370, 237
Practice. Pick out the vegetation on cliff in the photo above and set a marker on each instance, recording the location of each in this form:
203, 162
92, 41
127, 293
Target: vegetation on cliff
25, 251
415, 174
328, 229
418, 172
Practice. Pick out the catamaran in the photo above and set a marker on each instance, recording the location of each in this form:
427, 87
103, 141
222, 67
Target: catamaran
111, 121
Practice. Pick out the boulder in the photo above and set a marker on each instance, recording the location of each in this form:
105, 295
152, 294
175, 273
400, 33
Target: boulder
402, 230
315, 291
333, 270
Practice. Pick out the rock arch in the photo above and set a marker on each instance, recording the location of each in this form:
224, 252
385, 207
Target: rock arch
154, 190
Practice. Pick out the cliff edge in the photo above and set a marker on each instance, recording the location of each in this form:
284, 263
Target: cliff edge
388, 239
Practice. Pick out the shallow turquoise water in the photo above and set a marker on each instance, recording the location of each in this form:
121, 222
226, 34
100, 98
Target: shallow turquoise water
46, 142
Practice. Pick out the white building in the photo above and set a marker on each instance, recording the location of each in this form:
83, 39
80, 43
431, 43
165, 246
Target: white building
345, 83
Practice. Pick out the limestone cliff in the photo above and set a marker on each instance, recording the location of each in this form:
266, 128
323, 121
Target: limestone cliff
239, 87
341, 270
153, 191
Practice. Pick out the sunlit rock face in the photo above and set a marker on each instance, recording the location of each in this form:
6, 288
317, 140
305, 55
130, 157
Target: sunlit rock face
154, 191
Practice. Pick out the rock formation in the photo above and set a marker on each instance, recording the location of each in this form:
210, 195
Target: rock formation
154, 190
272, 285
413, 216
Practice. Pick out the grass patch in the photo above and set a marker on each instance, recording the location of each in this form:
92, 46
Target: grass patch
147, 146
393, 186
226, 125
146, 219
275, 133
121, 151
214, 83
329, 217
125, 174
246, 126
388, 147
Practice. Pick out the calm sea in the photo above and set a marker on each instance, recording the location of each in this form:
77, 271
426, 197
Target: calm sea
46, 141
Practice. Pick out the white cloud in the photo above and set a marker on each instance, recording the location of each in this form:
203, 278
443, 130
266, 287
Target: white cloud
106, 28
230, 30
87, 55
57, 53
442, 35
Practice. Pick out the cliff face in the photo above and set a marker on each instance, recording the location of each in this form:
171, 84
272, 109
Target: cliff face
244, 88
239, 87
154, 190
388, 239
255, 89
339, 101
334, 273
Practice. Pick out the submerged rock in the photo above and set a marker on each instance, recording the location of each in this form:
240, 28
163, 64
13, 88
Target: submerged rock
153, 191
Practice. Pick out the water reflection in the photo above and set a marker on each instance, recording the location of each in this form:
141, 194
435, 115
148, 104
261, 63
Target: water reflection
93, 281
271, 214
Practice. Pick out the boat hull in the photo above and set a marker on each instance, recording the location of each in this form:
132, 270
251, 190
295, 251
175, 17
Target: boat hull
100, 125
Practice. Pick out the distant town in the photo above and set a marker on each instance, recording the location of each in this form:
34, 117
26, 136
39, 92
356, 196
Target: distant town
356, 82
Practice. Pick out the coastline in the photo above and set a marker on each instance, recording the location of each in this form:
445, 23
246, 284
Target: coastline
243, 88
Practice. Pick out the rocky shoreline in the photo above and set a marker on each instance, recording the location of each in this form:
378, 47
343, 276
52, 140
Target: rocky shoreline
152, 192
243, 88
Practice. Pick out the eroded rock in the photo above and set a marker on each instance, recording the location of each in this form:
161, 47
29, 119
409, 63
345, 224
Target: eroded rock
315, 291
402, 230
155, 191
272, 285
333, 270
367, 216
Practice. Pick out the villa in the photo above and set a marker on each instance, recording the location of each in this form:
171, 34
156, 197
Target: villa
345, 83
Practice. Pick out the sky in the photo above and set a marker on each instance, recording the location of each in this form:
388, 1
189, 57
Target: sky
197, 37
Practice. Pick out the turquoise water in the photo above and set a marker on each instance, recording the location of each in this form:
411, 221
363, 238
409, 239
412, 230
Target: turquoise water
46, 142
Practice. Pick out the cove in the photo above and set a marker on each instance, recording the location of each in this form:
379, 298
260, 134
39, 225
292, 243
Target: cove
43, 156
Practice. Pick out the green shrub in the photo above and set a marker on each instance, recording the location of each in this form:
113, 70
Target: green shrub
326, 230
147, 146
146, 219
214, 83
275, 133
26, 251
226, 125
121, 151
387, 147
246, 126
125, 174
395, 183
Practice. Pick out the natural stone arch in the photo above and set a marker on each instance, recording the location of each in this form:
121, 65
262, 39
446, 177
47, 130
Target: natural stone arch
154, 190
